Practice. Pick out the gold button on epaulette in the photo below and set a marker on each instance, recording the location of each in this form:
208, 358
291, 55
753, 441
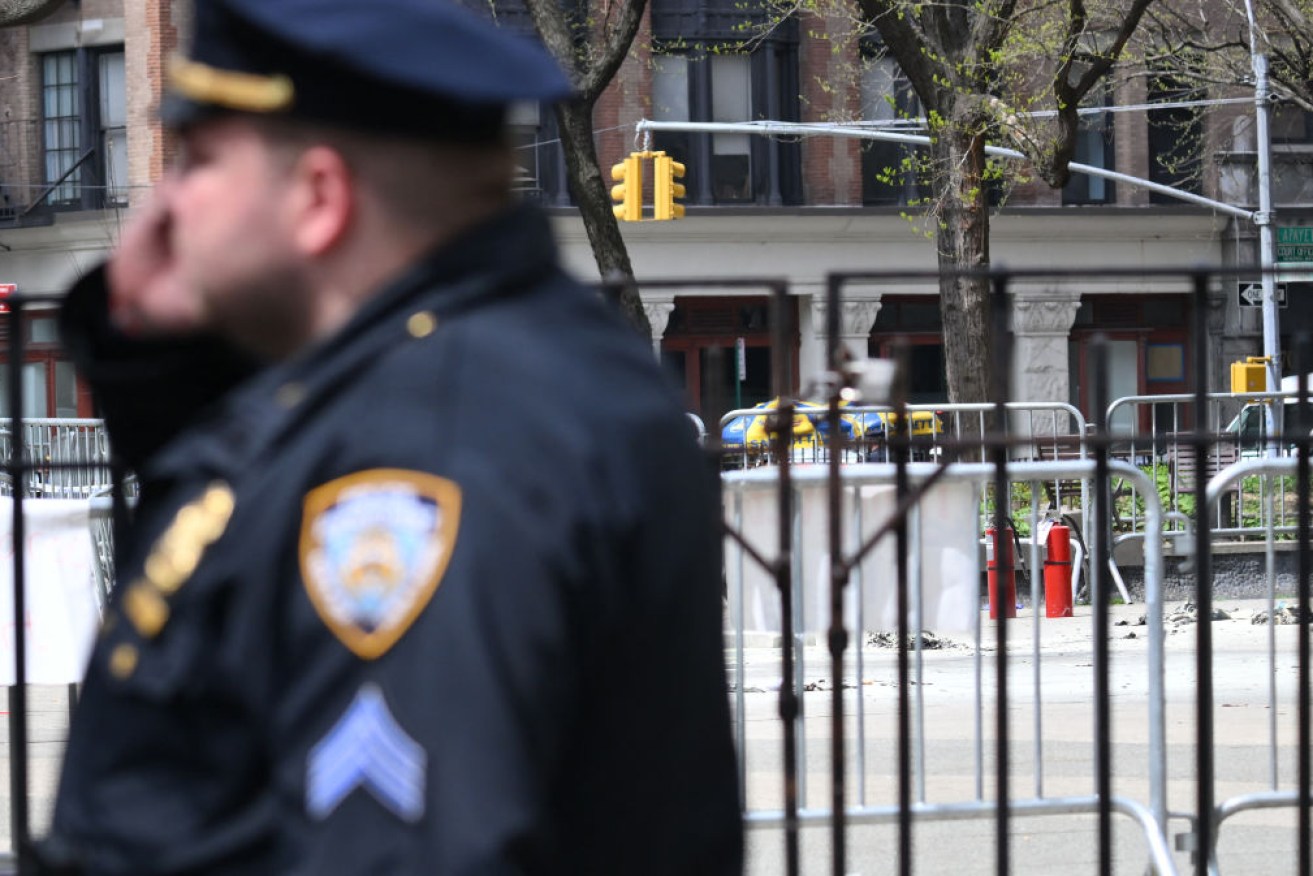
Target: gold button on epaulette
180, 550
421, 324
175, 556
147, 610
192, 515
161, 572
123, 660
191, 519
218, 501
289, 395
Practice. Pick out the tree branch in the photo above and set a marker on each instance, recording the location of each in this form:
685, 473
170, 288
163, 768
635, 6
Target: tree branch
615, 42
16, 12
907, 44
553, 26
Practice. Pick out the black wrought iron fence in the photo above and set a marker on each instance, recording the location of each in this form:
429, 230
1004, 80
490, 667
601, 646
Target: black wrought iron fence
801, 531
849, 543
43, 460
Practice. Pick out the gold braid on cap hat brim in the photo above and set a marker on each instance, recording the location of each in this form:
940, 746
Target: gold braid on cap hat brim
243, 92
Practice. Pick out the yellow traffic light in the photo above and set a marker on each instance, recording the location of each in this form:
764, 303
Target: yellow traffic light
629, 193
665, 189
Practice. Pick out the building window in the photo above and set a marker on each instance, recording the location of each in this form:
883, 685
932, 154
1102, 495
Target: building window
889, 170
1148, 340
915, 321
47, 386
540, 173
1291, 124
727, 86
84, 128
539, 159
1094, 146
731, 154
699, 351
113, 126
726, 61
61, 109
674, 78
1176, 139
50, 384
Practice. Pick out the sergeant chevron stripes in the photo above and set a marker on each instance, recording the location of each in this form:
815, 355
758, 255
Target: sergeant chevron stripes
367, 748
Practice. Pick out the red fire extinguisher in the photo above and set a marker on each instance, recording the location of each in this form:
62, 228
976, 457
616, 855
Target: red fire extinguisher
1057, 573
999, 557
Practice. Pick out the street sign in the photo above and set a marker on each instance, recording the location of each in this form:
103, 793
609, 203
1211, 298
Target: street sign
1251, 294
741, 358
1295, 244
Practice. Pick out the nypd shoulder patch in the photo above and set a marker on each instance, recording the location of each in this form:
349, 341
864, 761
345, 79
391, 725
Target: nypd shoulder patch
374, 547
367, 749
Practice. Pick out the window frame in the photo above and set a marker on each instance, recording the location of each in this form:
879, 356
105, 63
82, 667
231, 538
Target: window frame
774, 173
877, 155
1161, 138
86, 188
1278, 128
48, 352
1077, 190
702, 323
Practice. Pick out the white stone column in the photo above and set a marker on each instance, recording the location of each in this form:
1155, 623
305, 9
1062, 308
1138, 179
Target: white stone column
1041, 327
856, 316
658, 312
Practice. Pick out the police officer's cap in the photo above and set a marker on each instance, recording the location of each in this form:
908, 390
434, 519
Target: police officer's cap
425, 68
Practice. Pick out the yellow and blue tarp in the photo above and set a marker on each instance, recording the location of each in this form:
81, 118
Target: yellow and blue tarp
923, 423
811, 426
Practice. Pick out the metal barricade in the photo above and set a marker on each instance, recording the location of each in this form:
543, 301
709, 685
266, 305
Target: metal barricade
1271, 793
930, 802
1156, 432
1035, 431
102, 544
1124, 497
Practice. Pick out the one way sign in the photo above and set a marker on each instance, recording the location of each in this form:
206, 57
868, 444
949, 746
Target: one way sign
1251, 294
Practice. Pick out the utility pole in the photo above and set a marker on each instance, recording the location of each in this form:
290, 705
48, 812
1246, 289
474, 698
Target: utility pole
1263, 219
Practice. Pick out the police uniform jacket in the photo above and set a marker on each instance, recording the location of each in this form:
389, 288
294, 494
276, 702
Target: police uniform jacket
439, 596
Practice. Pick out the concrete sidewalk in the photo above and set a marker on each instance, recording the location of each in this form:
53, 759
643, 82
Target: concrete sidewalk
1261, 842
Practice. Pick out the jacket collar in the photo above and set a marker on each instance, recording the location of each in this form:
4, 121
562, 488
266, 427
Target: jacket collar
499, 257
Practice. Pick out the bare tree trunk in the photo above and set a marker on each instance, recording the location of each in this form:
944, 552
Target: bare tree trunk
963, 244
593, 197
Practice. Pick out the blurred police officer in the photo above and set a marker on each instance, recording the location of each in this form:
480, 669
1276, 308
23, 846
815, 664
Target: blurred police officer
424, 576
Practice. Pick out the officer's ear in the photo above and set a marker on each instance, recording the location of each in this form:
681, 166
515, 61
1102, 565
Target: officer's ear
322, 200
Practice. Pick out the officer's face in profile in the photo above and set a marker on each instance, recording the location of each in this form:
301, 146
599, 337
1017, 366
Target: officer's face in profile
234, 209
230, 210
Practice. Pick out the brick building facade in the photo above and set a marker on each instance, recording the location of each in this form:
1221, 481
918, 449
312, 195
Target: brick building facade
79, 142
